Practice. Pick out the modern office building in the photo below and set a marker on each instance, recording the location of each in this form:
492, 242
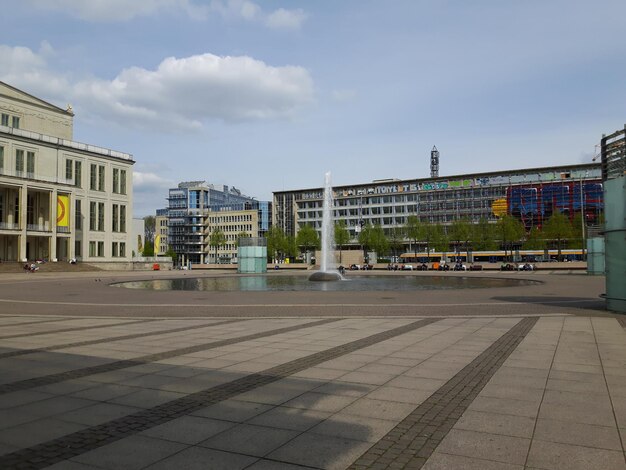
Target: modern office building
59, 199
196, 209
531, 195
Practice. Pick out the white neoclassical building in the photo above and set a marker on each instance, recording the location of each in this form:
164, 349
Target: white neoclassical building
59, 199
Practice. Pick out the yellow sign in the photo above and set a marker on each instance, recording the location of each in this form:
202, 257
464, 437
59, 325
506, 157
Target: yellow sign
63, 211
499, 207
157, 243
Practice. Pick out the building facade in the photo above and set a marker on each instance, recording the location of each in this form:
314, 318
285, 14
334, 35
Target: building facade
531, 195
160, 233
196, 209
59, 199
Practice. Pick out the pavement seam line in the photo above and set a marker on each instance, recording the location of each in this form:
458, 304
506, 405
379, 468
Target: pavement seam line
608, 390
413, 440
126, 363
112, 338
77, 443
77, 328
545, 388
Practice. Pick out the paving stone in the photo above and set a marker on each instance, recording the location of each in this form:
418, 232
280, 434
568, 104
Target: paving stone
320, 402
131, 453
381, 409
494, 423
566, 432
359, 428
233, 410
250, 440
316, 450
188, 429
485, 446
198, 458
442, 461
505, 406
289, 418
97, 413
553, 456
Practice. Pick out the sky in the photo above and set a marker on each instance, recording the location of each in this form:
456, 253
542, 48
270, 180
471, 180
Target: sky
269, 95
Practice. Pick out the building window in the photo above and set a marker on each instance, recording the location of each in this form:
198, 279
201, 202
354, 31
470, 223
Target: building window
69, 169
16, 122
78, 174
100, 249
101, 216
122, 249
116, 180
122, 181
19, 162
78, 214
1, 159
92, 249
30, 164
92, 215
5, 119
93, 177
123, 219
114, 250
115, 218
30, 213
101, 178
78, 249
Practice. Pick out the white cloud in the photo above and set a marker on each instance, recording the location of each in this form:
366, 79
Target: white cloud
250, 11
145, 182
182, 93
118, 10
126, 10
285, 19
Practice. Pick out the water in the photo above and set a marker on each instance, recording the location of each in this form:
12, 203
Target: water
327, 262
301, 283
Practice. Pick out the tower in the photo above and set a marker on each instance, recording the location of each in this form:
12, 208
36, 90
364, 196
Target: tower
434, 162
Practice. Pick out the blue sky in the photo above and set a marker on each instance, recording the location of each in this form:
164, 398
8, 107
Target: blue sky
269, 95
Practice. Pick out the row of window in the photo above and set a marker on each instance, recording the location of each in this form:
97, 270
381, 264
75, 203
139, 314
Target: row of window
24, 160
97, 213
9, 120
224, 219
96, 249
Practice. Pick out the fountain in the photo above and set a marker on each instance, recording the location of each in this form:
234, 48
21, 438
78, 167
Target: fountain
327, 270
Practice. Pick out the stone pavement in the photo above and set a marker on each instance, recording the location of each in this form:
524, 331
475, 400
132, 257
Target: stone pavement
540, 390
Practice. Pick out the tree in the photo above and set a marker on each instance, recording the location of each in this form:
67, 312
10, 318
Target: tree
217, 239
307, 238
373, 237
460, 233
431, 234
149, 224
534, 240
342, 236
483, 235
276, 243
291, 247
509, 230
414, 231
148, 249
559, 228
171, 253
396, 240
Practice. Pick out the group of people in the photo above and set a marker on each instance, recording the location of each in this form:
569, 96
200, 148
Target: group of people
31, 268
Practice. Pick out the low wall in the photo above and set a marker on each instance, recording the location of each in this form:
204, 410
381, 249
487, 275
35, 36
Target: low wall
132, 265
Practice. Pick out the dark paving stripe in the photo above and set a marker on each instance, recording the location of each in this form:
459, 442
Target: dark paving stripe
117, 365
622, 321
66, 447
76, 328
22, 352
40, 321
413, 440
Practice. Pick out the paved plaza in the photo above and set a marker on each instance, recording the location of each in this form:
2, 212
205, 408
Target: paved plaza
94, 376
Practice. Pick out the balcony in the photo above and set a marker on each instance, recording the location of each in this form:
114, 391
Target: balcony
9, 226
38, 228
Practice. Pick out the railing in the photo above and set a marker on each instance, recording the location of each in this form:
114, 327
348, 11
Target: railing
35, 176
9, 226
37, 228
66, 143
63, 229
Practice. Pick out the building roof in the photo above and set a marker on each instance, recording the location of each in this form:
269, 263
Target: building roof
20, 95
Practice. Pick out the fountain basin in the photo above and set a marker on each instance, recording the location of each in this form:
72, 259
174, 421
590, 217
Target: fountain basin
324, 276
